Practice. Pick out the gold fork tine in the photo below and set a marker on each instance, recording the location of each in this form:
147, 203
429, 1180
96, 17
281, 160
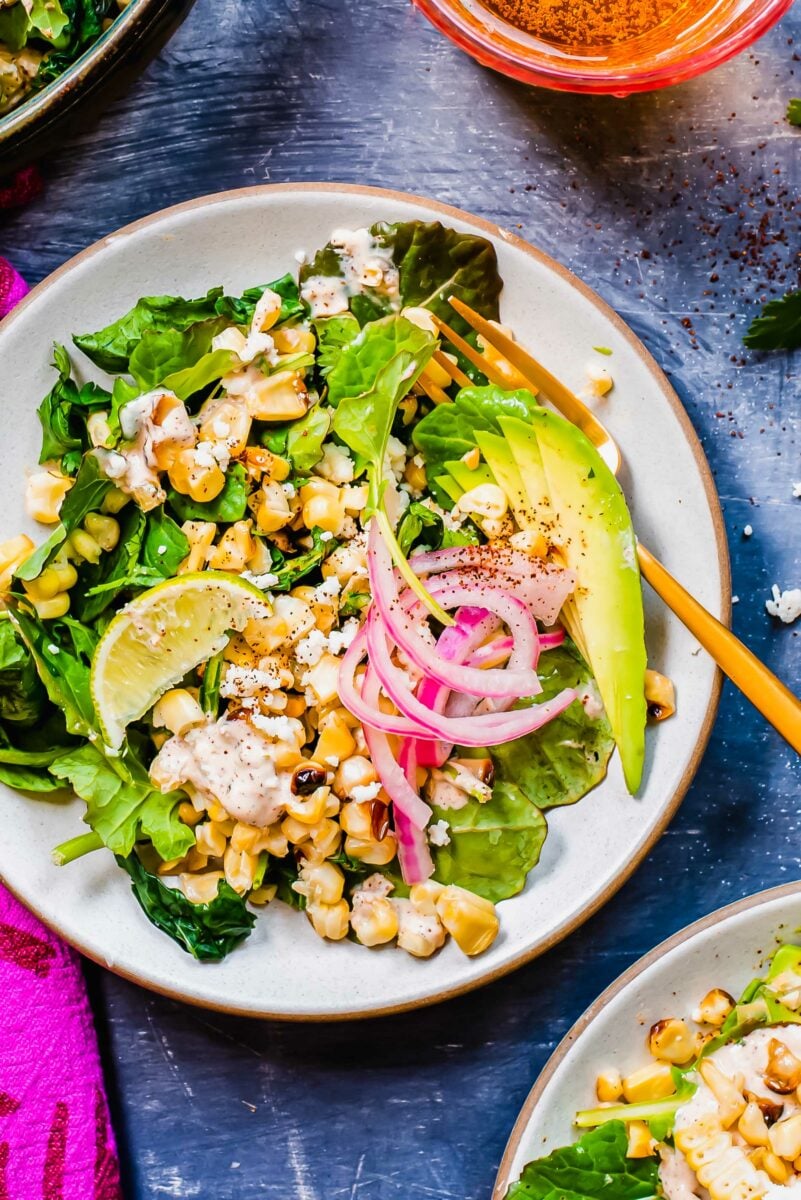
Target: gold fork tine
456, 374
543, 381
472, 355
433, 390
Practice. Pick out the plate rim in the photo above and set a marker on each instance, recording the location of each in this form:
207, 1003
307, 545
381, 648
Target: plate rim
618, 985
660, 381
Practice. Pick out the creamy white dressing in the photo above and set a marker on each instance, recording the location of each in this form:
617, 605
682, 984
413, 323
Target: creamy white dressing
677, 1177
229, 762
364, 264
134, 466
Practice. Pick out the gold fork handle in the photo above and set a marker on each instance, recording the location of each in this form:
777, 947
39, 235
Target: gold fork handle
767, 693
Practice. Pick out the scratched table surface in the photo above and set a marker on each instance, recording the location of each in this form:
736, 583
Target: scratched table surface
679, 208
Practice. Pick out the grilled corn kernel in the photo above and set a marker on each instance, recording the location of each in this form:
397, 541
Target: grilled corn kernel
57, 606
415, 476
672, 1041
44, 495
322, 512
323, 679
470, 920
714, 1008
279, 397
233, 550
191, 478
653, 1082
368, 850
752, 1126
99, 430
82, 545
330, 920
240, 869
271, 507
294, 340
264, 894
189, 814
660, 696
731, 1102
321, 884
374, 922
54, 579
325, 838
640, 1143
265, 634
195, 859
177, 710
200, 889
216, 811
609, 1086
114, 500
104, 529
251, 838
227, 421
335, 742
210, 839
295, 831
771, 1164
783, 1070
424, 896
309, 810
200, 535
356, 819
419, 933
354, 771
529, 542
13, 553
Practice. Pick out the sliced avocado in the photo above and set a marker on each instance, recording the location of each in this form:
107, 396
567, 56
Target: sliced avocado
469, 477
521, 446
450, 487
597, 542
502, 463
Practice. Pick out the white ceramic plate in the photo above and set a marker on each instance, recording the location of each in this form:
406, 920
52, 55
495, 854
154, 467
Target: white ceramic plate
726, 949
246, 237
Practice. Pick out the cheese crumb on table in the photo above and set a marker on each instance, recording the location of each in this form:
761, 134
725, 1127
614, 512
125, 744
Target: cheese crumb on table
785, 605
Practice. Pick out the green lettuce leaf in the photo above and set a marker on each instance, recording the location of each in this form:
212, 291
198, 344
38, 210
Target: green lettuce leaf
86, 495
304, 438
206, 931
63, 414
333, 334
151, 548
113, 346
22, 697
778, 326
561, 762
86, 19
493, 846
448, 432
208, 369
62, 651
420, 524
170, 354
595, 1168
240, 309
230, 505
121, 803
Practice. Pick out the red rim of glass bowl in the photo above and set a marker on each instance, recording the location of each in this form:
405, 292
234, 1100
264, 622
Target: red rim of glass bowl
442, 13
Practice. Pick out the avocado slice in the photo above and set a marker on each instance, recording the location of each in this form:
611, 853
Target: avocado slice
534, 516
597, 542
450, 487
469, 477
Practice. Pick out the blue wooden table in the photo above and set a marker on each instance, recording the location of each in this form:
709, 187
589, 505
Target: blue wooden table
679, 208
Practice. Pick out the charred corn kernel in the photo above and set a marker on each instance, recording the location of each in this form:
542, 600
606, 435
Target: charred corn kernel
355, 818
251, 838
374, 922
200, 535
82, 545
265, 634
782, 1072
470, 920
346, 561
227, 421
195, 859
295, 831
216, 811
272, 507
195, 479
784, 1138
609, 1086
771, 1164
419, 933
355, 771
44, 494
264, 894
330, 920
752, 1127
200, 889
99, 430
415, 476
233, 550
322, 512
640, 1143
714, 1008
210, 839
653, 1082
309, 810
323, 678
54, 579
57, 606
295, 706
240, 869
189, 814
672, 1041
660, 695
177, 710
279, 397
321, 884
368, 850
335, 742
104, 529
297, 615
731, 1102
294, 340
114, 500
424, 896
13, 553
486, 500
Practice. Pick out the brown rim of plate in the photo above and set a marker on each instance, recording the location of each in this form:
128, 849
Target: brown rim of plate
502, 1180
660, 382
61, 93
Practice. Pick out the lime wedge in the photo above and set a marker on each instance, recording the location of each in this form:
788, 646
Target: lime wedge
152, 642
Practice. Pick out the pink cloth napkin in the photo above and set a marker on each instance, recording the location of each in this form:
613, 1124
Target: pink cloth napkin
56, 1141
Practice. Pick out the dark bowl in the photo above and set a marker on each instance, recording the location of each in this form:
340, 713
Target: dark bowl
107, 66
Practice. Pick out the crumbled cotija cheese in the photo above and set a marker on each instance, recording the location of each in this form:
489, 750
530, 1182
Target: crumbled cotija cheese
438, 833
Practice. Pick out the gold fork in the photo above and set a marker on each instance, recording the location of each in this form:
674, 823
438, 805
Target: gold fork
765, 691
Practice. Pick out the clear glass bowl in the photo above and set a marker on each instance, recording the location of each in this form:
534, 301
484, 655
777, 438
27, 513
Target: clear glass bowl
728, 28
